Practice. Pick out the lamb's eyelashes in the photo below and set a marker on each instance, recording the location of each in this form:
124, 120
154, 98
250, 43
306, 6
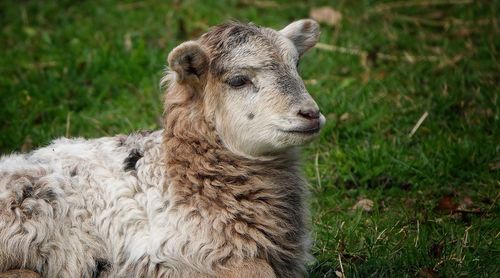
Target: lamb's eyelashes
239, 81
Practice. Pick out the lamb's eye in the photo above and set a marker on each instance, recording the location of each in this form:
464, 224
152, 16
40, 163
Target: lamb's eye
238, 81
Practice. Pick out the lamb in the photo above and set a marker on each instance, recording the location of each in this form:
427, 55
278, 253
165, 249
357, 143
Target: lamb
217, 193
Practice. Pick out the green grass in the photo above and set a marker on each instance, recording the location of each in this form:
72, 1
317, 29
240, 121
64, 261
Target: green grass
92, 69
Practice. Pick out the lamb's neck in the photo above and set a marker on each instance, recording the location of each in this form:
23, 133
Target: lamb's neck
228, 193
198, 163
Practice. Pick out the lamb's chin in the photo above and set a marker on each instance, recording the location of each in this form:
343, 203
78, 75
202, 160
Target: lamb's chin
293, 140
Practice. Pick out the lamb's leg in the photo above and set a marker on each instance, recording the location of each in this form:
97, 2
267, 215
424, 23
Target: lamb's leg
19, 273
253, 269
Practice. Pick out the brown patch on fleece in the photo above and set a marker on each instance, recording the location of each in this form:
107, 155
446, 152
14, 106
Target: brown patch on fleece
255, 208
252, 269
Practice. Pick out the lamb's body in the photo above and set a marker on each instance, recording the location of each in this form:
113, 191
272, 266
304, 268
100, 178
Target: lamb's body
80, 207
67, 208
218, 192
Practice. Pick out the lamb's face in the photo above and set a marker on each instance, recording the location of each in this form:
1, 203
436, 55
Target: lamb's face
253, 90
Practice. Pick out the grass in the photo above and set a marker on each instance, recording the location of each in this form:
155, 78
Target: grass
92, 69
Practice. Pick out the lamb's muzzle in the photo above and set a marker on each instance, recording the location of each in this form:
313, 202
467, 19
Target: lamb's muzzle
311, 117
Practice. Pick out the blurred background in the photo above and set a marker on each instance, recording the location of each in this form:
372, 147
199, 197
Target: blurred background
405, 177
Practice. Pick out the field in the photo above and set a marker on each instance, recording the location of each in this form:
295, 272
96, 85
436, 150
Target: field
405, 178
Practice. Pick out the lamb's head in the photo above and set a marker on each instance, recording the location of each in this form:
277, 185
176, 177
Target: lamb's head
247, 80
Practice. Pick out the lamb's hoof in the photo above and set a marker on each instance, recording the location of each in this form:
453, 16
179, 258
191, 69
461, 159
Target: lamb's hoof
19, 273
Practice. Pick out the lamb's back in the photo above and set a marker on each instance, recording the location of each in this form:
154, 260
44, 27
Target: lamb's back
91, 193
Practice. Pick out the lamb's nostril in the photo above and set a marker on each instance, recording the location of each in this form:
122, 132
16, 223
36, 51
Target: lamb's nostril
310, 114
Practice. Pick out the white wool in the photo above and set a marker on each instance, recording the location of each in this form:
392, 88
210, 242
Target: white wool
91, 188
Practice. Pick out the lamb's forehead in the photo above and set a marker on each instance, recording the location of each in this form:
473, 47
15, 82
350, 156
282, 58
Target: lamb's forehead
246, 45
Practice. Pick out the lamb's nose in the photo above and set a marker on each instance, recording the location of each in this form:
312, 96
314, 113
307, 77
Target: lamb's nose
310, 113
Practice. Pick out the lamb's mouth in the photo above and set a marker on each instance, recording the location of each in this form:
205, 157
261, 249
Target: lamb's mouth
303, 131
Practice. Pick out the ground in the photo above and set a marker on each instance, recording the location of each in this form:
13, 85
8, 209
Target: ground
409, 89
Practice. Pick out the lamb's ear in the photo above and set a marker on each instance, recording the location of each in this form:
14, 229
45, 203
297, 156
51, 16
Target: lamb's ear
189, 61
303, 33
